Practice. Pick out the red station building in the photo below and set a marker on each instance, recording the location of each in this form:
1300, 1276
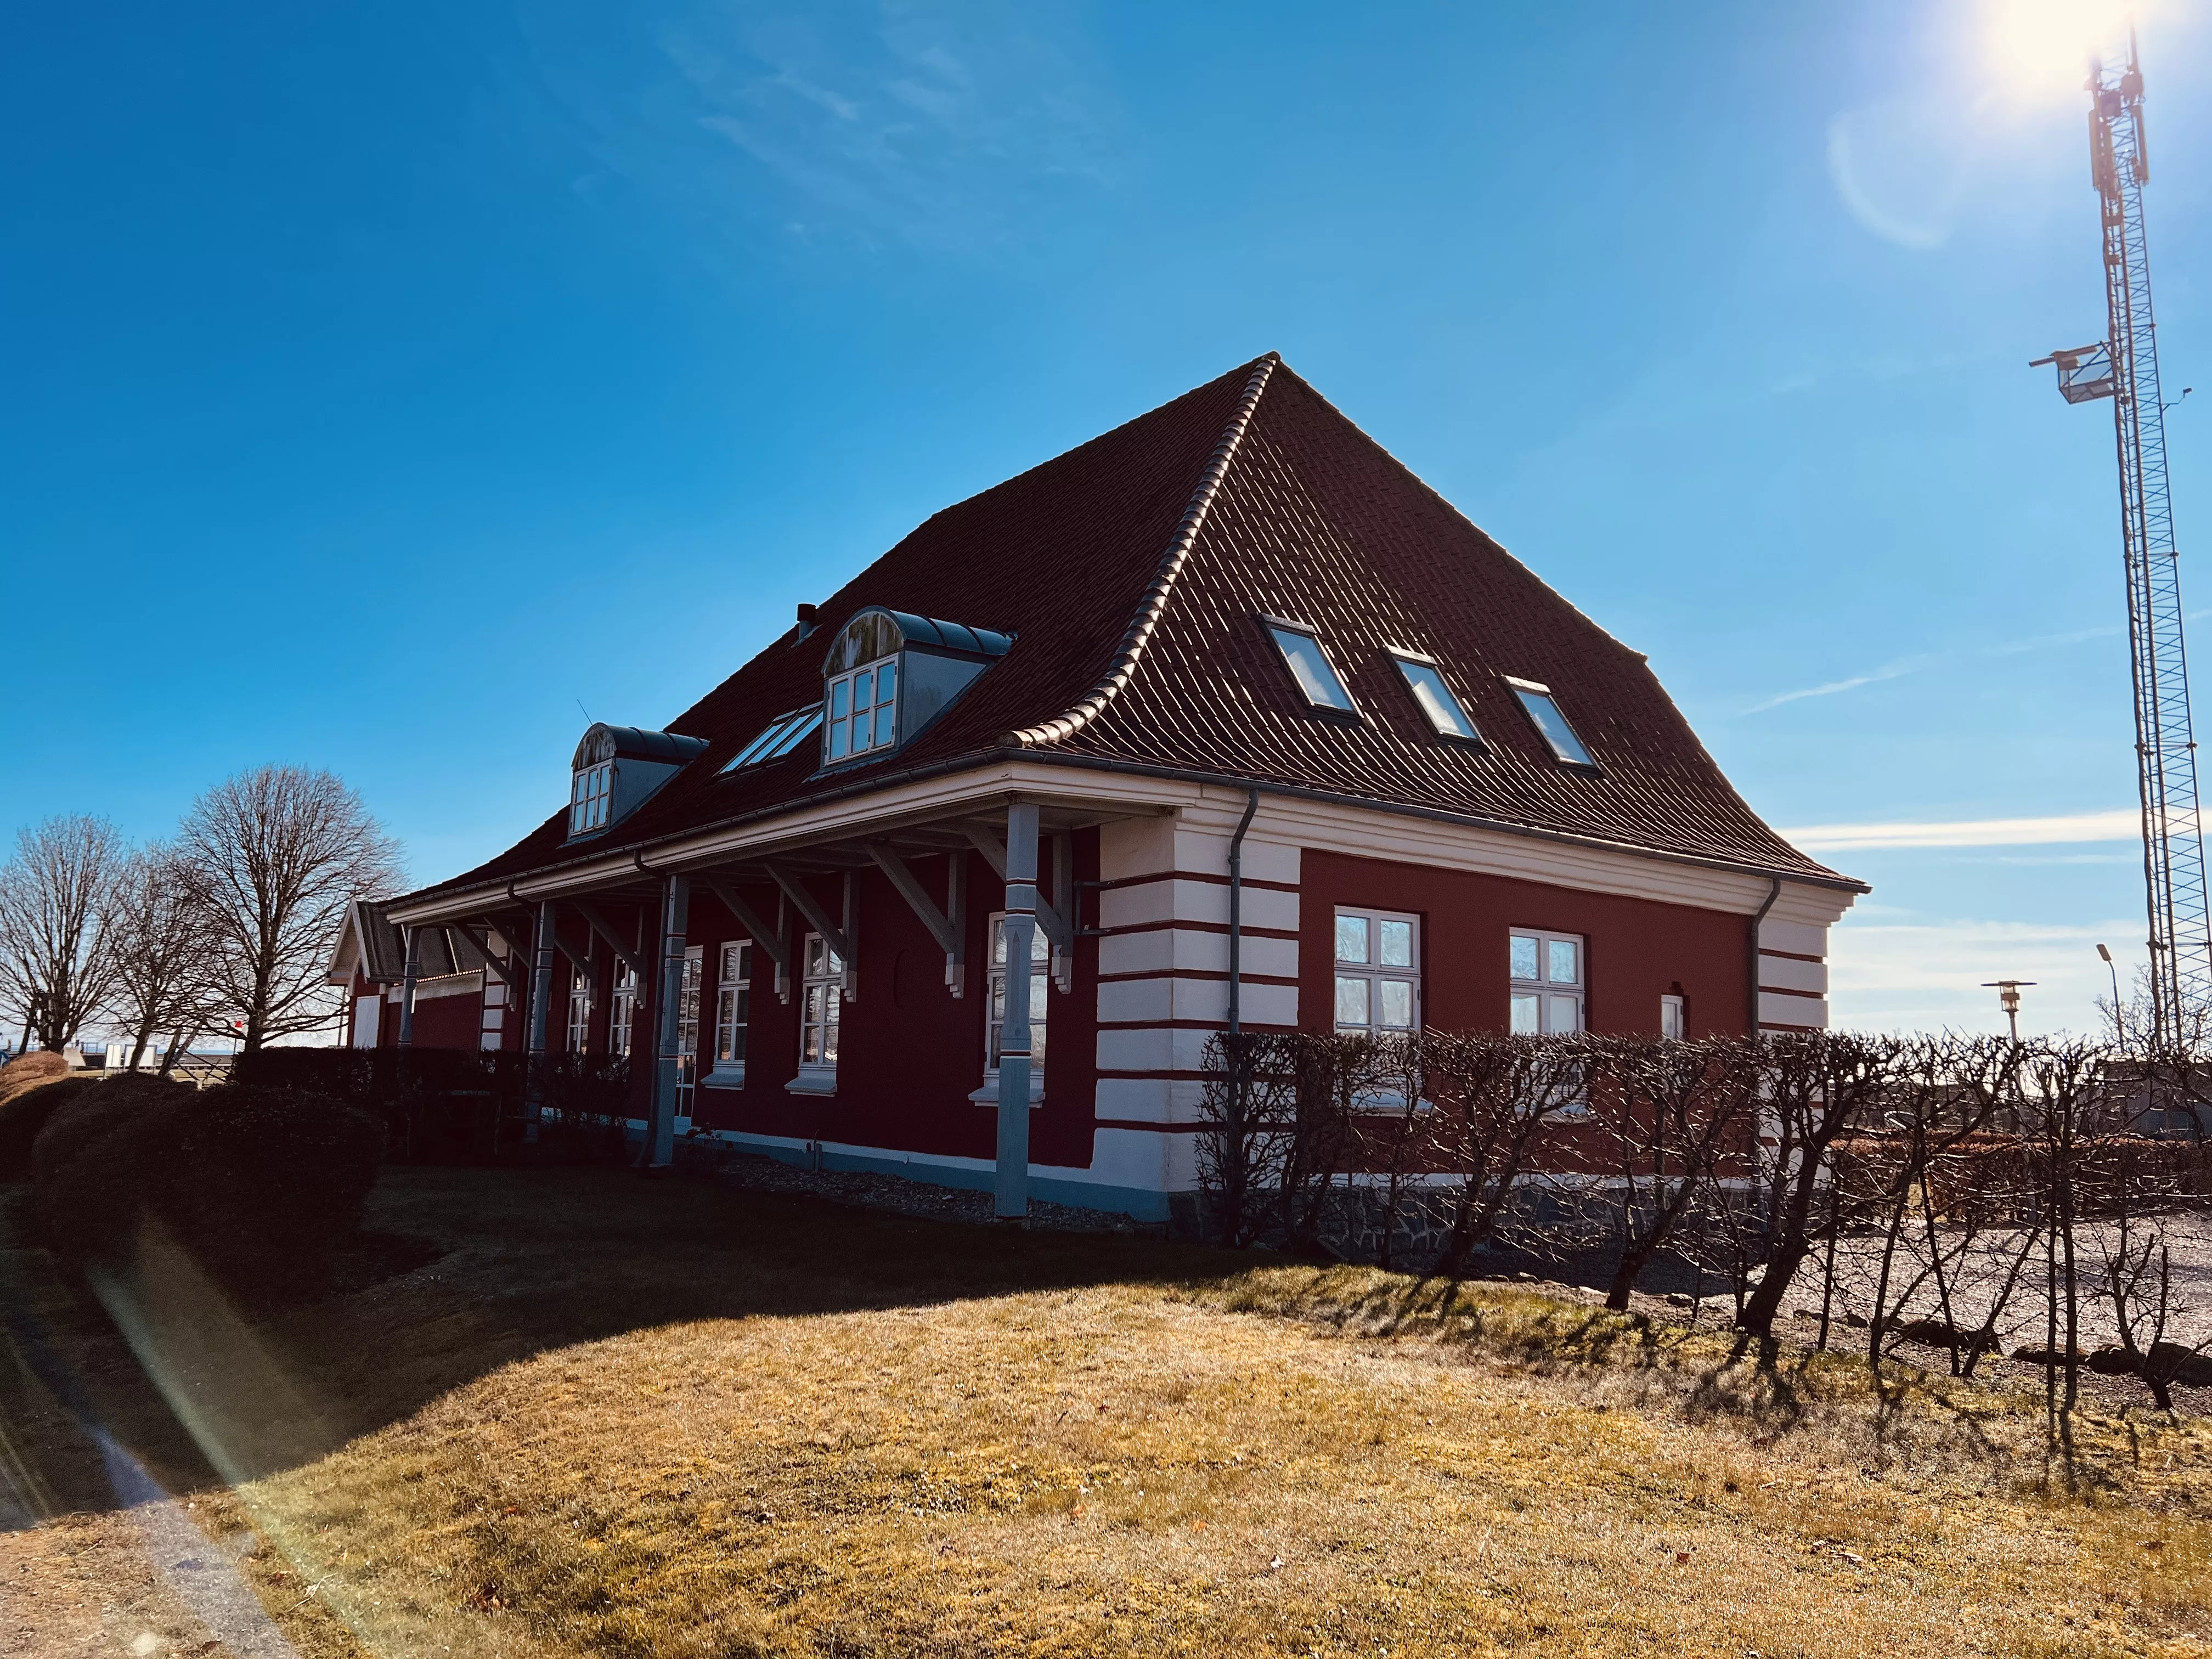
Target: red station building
1222, 715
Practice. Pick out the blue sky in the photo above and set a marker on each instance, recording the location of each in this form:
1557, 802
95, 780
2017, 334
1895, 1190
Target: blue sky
387, 388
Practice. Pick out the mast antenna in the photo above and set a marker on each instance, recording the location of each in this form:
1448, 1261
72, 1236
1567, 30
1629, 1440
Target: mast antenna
2124, 367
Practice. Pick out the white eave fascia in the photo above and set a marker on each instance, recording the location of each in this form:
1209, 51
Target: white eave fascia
917, 802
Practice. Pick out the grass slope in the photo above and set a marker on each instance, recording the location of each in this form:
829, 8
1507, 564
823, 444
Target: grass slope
626, 1417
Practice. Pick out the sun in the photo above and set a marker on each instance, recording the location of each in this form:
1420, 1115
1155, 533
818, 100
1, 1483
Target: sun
2041, 49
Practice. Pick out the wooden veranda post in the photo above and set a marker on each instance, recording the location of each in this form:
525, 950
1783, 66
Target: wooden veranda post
1020, 927
660, 1149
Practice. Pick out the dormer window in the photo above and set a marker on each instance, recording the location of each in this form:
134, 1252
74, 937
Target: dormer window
590, 798
890, 673
1310, 668
1544, 713
616, 770
863, 710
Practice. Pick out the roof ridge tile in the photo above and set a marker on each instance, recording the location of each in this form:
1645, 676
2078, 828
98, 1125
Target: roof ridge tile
1154, 601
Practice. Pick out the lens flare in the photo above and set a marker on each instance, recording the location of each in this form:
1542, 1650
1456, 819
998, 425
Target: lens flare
2041, 49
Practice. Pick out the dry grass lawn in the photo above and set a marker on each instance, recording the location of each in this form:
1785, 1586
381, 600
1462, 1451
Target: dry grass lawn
627, 1418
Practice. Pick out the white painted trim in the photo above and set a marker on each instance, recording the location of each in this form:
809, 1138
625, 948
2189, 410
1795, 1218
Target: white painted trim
1540, 855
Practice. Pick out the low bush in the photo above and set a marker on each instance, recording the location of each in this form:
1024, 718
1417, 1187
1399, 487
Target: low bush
259, 1186
27, 1100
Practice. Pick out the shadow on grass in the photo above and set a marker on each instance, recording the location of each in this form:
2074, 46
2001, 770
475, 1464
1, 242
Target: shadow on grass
480, 1268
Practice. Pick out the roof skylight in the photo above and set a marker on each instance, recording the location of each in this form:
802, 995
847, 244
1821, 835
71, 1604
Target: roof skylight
1310, 666
1549, 721
785, 734
1446, 714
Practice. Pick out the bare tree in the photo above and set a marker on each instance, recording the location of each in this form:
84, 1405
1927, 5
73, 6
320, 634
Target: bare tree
165, 962
280, 852
57, 961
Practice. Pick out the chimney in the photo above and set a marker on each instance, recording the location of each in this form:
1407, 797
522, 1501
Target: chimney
805, 622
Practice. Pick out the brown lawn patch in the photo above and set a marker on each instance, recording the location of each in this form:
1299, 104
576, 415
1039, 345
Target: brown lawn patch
628, 1417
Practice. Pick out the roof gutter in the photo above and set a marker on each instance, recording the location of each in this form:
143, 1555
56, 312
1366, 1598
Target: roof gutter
975, 759
1237, 914
1759, 917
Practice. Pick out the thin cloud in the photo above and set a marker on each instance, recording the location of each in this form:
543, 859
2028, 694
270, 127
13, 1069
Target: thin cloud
2120, 823
1884, 975
1889, 671
1904, 665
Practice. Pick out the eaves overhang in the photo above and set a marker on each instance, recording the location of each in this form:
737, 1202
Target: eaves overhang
1001, 772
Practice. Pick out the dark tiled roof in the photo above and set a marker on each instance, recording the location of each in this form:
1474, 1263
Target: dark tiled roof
1131, 571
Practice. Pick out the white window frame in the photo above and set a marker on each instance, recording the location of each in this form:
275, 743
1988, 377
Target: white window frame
1566, 744
733, 996
578, 1033
1373, 973
687, 1028
1673, 1016
622, 1010
994, 1008
591, 797
1424, 681
841, 722
1280, 631
821, 1009
1550, 995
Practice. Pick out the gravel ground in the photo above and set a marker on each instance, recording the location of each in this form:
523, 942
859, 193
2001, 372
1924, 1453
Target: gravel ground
904, 1197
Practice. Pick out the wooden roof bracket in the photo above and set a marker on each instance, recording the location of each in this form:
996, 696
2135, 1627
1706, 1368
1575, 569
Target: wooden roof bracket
947, 930
816, 917
776, 941
1056, 925
598, 923
505, 970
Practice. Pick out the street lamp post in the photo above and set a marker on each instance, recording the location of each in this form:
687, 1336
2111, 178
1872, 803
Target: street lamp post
2120, 1014
2008, 991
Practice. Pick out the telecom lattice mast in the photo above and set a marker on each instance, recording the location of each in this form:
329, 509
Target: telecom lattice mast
2124, 367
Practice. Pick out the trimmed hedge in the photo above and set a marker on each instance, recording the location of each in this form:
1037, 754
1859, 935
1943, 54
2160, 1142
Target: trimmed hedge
27, 1101
260, 1187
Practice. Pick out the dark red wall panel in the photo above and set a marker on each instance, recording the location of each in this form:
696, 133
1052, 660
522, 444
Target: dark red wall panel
1639, 950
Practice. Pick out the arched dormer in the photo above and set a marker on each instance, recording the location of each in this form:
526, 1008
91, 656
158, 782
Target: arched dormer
616, 768
888, 673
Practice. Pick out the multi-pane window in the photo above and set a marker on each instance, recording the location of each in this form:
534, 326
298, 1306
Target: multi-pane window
1446, 714
1040, 978
1378, 971
622, 1010
580, 1011
782, 735
863, 710
590, 797
1548, 973
1674, 1022
1316, 678
1543, 711
733, 1002
821, 990
687, 1029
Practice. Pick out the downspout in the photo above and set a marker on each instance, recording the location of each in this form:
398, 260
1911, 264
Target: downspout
1773, 893
1237, 915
